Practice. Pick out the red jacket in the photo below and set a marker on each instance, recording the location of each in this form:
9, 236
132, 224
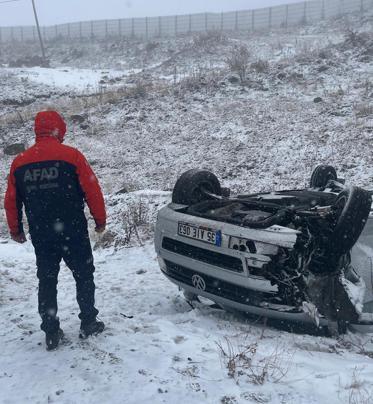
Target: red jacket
51, 180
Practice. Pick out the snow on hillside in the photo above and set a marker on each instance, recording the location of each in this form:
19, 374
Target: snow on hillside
153, 111
79, 80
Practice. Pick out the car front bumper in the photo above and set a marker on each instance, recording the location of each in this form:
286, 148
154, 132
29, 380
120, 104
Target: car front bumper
236, 290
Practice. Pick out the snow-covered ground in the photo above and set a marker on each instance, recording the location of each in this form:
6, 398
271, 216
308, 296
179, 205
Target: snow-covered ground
158, 349
79, 80
161, 108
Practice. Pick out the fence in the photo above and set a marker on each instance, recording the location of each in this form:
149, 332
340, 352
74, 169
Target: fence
151, 27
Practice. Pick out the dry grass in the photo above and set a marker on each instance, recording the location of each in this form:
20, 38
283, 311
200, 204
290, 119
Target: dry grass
357, 392
207, 39
244, 361
363, 109
199, 78
135, 215
260, 66
69, 105
238, 61
134, 225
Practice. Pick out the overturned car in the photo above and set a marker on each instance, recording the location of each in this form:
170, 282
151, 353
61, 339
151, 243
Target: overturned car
297, 255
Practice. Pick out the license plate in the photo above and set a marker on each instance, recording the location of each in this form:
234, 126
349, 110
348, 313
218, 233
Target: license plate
199, 233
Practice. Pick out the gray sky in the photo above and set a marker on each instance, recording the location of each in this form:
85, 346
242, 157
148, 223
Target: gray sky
60, 11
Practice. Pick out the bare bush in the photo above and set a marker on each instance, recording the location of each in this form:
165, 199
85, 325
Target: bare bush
368, 87
355, 38
199, 78
357, 392
260, 66
238, 61
151, 46
137, 214
209, 38
245, 361
132, 226
363, 109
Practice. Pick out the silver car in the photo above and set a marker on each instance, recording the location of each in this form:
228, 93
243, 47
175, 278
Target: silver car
297, 256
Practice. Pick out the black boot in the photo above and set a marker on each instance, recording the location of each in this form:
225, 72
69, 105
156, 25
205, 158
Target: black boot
52, 339
93, 327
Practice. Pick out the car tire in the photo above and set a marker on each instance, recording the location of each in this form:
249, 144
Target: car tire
354, 204
321, 175
189, 187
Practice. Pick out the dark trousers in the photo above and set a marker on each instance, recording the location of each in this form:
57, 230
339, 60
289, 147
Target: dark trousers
77, 253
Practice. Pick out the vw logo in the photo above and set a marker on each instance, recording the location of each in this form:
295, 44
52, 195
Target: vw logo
198, 282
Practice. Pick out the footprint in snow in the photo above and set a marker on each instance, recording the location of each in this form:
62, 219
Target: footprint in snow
146, 329
179, 339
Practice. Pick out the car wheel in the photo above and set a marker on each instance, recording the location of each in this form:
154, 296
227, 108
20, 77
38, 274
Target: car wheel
352, 207
189, 188
321, 175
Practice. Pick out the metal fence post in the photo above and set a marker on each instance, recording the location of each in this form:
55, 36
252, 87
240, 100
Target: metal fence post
33, 33
1, 35
160, 26
222, 21
106, 29
341, 7
56, 31
305, 13
146, 28
206, 22
361, 6
92, 33
133, 27
21, 28
12, 34
270, 17
190, 23
323, 9
236, 21
80, 30
119, 27
286, 15
253, 20
176, 24
68, 31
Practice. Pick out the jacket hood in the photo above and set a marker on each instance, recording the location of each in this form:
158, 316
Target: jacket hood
49, 123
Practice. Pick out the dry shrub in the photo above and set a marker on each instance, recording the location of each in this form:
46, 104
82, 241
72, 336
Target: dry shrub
260, 66
357, 392
244, 361
355, 38
198, 79
151, 46
209, 38
133, 227
363, 109
238, 61
136, 215
140, 90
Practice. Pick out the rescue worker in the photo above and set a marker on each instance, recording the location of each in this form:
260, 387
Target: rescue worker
52, 181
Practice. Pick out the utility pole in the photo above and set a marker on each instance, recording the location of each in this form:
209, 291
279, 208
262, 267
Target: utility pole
39, 32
